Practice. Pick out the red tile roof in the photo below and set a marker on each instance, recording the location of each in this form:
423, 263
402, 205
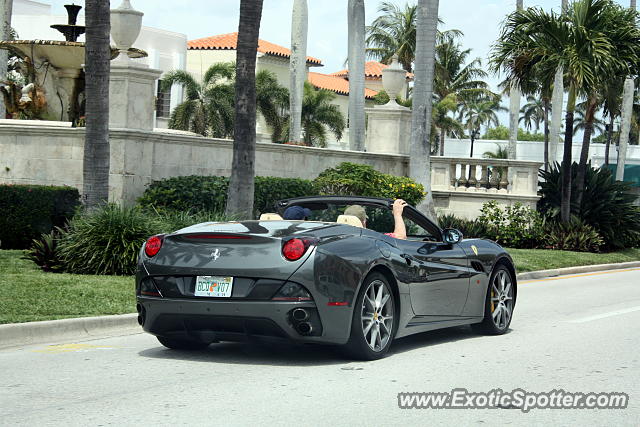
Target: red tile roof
230, 42
335, 84
372, 69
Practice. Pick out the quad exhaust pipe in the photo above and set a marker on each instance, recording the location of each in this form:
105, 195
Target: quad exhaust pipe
304, 328
300, 314
142, 314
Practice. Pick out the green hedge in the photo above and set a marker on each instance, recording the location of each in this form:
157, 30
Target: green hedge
27, 211
209, 193
354, 179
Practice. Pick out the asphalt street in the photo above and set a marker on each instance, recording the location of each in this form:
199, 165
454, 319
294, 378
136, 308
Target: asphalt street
577, 333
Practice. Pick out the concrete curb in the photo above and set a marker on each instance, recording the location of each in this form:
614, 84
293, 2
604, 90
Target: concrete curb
19, 334
541, 274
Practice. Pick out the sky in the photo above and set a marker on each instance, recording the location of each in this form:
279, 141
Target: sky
479, 20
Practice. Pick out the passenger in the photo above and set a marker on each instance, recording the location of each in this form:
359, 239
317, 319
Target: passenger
297, 213
399, 231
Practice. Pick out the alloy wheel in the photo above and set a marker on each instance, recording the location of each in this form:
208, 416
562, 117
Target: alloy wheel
377, 315
501, 299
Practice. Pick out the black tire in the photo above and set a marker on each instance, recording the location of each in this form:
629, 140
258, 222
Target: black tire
490, 325
181, 344
358, 347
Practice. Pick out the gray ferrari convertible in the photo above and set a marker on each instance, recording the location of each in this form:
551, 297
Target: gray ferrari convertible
325, 280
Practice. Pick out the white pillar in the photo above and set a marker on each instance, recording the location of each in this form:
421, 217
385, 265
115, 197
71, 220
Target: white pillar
132, 94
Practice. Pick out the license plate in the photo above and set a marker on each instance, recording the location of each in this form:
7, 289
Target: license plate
213, 286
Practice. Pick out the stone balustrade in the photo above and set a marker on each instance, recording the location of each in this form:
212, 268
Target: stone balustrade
462, 185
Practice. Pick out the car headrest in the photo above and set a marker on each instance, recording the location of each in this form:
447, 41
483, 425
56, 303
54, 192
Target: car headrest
270, 217
349, 220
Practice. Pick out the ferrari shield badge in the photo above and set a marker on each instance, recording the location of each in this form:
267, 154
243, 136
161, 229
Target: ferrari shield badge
474, 249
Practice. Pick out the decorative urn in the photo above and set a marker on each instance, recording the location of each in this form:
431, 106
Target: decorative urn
126, 23
394, 79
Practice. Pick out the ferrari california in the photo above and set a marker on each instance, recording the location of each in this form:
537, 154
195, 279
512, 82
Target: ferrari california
325, 279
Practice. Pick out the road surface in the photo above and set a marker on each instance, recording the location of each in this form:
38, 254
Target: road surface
578, 333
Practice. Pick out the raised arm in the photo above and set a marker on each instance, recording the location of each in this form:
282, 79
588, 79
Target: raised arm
399, 231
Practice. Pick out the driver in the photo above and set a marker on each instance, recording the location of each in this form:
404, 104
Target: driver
399, 231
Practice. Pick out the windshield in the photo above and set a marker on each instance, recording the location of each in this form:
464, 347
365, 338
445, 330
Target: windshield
379, 218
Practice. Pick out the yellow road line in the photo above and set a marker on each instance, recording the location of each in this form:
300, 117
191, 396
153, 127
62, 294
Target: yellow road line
571, 276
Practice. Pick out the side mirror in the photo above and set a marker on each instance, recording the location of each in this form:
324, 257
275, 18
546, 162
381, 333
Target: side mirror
451, 236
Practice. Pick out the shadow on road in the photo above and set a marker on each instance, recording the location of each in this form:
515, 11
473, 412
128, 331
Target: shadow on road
281, 354
432, 338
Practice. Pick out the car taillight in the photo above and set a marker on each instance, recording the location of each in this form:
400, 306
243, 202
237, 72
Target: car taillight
153, 245
293, 249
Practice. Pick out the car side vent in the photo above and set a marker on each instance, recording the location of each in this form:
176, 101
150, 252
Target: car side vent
477, 266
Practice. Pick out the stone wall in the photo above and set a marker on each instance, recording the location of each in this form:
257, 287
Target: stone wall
41, 154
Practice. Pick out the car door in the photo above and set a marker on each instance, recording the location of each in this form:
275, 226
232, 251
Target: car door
440, 273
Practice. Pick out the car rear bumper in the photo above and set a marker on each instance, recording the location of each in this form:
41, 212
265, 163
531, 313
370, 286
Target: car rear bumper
216, 320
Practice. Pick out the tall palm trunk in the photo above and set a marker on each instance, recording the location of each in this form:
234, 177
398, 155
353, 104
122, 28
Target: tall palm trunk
297, 66
6, 8
556, 107
356, 46
96, 145
609, 136
625, 120
241, 184
545, 102
514, 111
420, 160
590, 115
625, 126
442, 136
565, 204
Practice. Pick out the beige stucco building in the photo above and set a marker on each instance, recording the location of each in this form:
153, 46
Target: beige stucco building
205, 52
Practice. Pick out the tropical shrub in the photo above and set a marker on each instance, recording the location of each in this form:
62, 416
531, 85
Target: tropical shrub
106, 240
44, 252
574, 235
469, 228
515, 226
209, 193
607, 205
28, 211
363, 180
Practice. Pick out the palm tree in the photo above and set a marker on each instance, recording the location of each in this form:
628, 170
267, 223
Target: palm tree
420, 160
209, 106
612, 105
533, 113
582, 120
95, 168
272, 100
557, 101
356, 74
480, 113
241, 183
443, 121
297, 64
454, 76
318, 115
582, 42
6, 7
514, 108
394, 33
626, 113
